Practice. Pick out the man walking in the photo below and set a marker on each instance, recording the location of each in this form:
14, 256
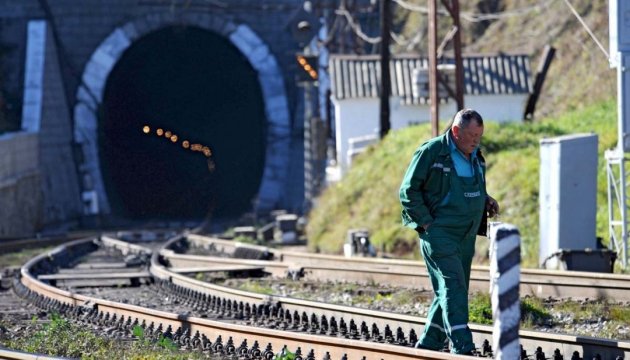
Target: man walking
443, 197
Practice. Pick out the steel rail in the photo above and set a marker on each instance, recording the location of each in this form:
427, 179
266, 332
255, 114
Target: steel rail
9, 245
336, 348
408, 273
21, 355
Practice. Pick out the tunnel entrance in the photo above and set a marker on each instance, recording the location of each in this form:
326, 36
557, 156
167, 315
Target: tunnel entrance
172, 93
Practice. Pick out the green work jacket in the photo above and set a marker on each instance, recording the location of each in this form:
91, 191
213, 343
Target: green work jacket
426, 182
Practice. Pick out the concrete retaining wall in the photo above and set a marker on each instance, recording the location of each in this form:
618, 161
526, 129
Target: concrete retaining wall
20, 193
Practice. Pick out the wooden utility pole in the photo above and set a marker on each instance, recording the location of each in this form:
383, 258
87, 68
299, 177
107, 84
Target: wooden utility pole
452, 6
385, 76
541, 74
457, 49
433, 73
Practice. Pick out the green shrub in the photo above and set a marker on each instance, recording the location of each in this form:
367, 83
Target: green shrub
480, 309
367, 196
62, 338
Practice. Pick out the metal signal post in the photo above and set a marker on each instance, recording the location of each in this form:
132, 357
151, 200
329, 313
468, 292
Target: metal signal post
619, 32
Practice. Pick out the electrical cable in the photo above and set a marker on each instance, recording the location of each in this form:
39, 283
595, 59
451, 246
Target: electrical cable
588, 30
356, 28
449, 36
471, 17
474, 17
407, 43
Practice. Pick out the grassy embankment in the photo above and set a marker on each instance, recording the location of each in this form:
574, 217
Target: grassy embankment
367, 197
60, 337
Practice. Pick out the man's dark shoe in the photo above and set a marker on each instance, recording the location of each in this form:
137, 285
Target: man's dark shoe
473, 352
420, 346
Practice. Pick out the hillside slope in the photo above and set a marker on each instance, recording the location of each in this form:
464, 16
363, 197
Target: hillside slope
579, 74
368, 196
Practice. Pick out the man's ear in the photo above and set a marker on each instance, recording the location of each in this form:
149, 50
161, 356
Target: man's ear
455, 130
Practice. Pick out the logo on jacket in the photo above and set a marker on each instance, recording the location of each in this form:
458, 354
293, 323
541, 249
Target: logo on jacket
472, 194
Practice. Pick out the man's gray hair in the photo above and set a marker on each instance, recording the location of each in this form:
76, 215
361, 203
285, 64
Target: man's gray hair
463, 118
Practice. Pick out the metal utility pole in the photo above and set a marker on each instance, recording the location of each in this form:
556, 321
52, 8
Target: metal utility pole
619, 30
452, 7
385, 76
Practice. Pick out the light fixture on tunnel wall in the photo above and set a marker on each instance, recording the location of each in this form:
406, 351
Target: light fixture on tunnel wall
303, 24
185, 144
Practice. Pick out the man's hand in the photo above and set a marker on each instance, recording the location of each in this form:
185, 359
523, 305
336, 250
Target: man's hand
492, 206
422, 228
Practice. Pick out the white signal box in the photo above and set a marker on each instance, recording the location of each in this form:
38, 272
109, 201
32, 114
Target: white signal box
568, 195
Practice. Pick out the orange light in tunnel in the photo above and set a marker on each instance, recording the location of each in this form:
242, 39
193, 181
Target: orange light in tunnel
186, 144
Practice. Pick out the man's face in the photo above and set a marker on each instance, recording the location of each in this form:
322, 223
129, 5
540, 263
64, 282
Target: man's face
467, 139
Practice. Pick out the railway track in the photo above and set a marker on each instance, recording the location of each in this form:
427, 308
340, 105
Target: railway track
196, 332
405, 273
225, 320
381, 271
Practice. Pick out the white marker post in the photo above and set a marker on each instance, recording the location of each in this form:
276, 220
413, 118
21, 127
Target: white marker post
505, 260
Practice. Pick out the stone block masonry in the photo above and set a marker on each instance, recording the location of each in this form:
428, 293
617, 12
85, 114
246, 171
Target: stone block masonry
81, 27
20, 194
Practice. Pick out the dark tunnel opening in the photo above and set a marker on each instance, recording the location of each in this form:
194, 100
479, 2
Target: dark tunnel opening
196, 85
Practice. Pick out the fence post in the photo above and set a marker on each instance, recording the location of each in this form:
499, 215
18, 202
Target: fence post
505, 259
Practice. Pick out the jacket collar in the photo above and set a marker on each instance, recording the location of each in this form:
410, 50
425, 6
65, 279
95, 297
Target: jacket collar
446, 143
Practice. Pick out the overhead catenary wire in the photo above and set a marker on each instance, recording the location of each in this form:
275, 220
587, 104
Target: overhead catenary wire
407, 43
475, 17
588, 30
356, 27
470, 17
449, 36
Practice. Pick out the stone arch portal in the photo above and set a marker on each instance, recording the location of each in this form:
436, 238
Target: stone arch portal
92, 92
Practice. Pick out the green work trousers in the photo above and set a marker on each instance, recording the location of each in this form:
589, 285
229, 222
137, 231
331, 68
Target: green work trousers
448, 247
